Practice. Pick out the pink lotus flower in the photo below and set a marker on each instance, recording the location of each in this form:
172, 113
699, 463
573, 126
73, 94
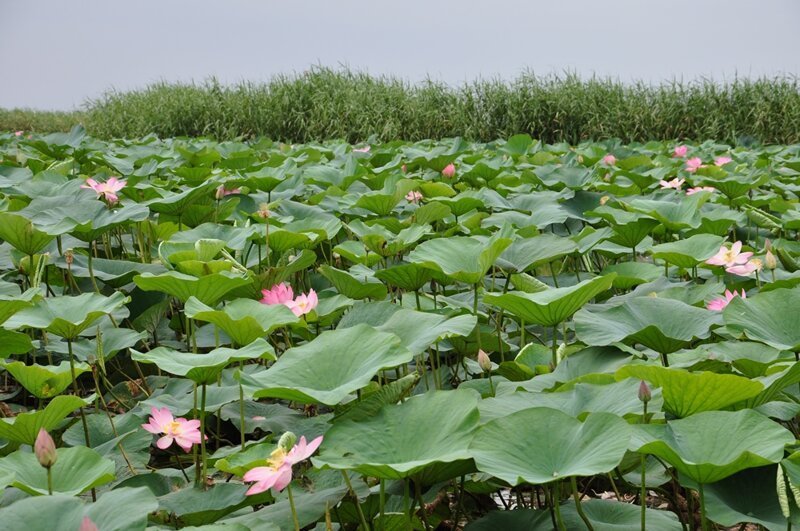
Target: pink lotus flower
414, 196
183, 432
692, 191
745, 269
278, 472
730, 257
680, 151
609, 160
107, 190
222, 191
303, 304
449, 171
404, 168
693, 163
718, 304
722, 161
364, 149
87, 525
278, 294
674, 183
18, 133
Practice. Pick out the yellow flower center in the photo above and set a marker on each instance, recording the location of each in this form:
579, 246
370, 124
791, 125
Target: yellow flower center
173, 428
730, 256
276, 458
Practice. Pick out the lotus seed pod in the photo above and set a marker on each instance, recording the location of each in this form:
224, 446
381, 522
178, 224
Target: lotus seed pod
287, 441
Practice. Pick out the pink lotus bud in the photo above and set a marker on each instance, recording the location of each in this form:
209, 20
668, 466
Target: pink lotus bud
770, 261
404, 168
610, 159
449, 171
644, 392
680, 151
87, 525
45, 449
484, 361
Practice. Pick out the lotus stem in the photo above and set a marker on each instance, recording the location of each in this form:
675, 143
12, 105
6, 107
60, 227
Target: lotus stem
555, 346
203, 433
291, 505
422, 512
49, 480
578, 507
555, 498
382, 502
361, 516
703, 520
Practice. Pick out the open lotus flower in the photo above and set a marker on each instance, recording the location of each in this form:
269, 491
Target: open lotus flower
696, 189
449, 171
277, 294
278, 472
222, 191
674, 183
18, 133
693, 163
745, 269
303, 304
720, 303
183, 432
364, 149
680, 151
609, 160
722, 161
730, 257
107, 190
414, 196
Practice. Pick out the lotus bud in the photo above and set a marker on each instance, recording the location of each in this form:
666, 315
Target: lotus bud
604, 200
45, 449
220, 193
263, 211
87, 525
770, 261
404, 168
484, 361
69, 256
287, 441
644, 392
449, 171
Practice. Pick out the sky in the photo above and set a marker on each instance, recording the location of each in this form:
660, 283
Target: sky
57, 54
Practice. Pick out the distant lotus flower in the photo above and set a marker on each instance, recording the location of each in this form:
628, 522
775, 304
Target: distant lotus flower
278, 472
722, 161
364, 149
414, 196
87, 525
107, 190
674, 183
183, 432
769, 260
680, 151
404, 168
303, 304
278, 294
610, 159
449, 171
745, 269
693, 163
222, 191
730, 257
484, 361
696, 189
720, 303
19, 133
45, 449
263, 211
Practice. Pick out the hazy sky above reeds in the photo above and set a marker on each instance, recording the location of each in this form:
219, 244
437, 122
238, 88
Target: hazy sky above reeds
57, 53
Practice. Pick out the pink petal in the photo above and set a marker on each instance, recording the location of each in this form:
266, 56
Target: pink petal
736, 247
164, 442
161, 416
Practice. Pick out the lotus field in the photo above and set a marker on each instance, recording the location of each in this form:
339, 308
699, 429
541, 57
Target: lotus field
437, 335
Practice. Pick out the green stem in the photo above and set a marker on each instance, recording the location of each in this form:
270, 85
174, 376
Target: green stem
361, 516
382, 502
577, 496
555, 346
422, 513
294, 510
643, 494
555, 498
241, 405
477, 318
703, 521
50, 481
77, 392
202, 434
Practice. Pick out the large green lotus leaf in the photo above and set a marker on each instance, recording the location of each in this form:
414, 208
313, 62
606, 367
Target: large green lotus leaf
112, 340
76, 470
619, 398
766, 318
354, 285
775, 383
604, 514
686, 393
540, 445
61, 214
409, 277
13, 302
747, 496
689, 252
21, 234
25, 427
675, 216
108, 218
209, 289
176, 203
629, 228
203, 368
466, 259
553, 306
630, 274
418, 330
122, 509
67, 316
244, 320
233, 237
527, 253
750, 358
713, 445
115, 273
357, 253
403, 439
14, 343
180, 398
203, 506
378, 203
663, 325
43, 381
330, 367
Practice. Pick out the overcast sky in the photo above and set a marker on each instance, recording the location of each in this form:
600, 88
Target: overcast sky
57, 53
